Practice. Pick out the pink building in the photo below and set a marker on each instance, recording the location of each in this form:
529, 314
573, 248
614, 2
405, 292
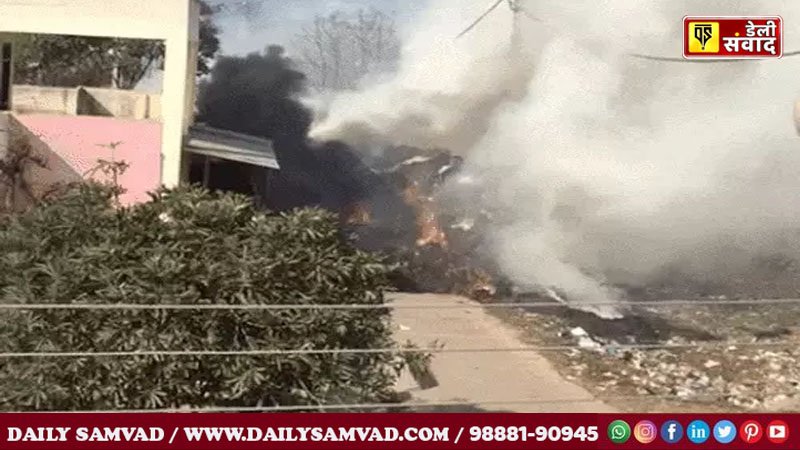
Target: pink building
73, 145
74, 128
127, 128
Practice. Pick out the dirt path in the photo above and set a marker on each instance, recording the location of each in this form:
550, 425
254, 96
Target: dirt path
508, 378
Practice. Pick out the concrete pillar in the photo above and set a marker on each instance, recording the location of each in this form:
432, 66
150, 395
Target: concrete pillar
191, 102
6, 78
5, 133
178, 91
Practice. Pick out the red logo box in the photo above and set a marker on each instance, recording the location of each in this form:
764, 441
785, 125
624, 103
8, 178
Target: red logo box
732, 37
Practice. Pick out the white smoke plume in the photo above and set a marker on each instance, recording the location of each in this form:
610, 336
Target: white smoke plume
606, 169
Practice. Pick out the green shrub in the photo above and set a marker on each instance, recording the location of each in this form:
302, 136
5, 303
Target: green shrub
186, 246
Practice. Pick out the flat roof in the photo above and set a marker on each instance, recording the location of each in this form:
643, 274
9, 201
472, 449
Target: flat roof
141, 19
231, 146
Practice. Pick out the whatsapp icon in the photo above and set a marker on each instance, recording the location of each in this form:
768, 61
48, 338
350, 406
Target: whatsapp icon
619, 431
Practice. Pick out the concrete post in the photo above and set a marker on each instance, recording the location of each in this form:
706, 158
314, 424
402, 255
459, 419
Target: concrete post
5, 133
6, 68
178, 91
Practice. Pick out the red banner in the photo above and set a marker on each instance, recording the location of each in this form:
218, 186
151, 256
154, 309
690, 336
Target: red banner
397, 431
732, 37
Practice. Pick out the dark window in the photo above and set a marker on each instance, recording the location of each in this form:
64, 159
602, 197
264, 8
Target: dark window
5, 76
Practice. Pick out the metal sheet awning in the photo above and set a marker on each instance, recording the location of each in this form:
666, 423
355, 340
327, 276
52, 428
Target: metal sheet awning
227, 145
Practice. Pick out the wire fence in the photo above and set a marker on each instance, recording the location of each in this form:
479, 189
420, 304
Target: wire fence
599, 347
458, 405
390, 305
398, 350
477, 404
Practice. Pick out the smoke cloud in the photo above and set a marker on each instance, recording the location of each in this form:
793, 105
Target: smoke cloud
258, 94
602, 169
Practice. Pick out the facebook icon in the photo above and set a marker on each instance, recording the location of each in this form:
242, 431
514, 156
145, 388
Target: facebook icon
671, 432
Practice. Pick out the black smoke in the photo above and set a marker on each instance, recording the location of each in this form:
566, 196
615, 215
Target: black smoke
258, 95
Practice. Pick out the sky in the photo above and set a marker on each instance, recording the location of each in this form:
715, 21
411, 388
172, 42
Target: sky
277, 21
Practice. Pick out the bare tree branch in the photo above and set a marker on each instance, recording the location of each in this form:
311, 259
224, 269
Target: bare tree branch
338, 51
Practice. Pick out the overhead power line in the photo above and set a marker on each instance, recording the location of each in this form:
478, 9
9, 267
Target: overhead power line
480, 18
518, 8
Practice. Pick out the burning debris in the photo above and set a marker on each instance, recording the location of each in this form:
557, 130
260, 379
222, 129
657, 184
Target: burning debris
441, 257
386, 203
357, 214
430, 230
389, 199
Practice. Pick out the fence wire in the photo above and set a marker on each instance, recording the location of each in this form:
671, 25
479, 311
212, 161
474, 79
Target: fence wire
609, 348
397, 350
348, 306
405, 406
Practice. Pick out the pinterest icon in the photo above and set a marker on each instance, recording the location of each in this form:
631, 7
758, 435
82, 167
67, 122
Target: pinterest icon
751, 432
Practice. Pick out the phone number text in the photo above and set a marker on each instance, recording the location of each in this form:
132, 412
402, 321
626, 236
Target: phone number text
539, 434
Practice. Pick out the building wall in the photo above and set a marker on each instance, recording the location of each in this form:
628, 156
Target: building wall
45, 100
176, 22
73, 146
141, 19
39, 179
86, 102
119, 103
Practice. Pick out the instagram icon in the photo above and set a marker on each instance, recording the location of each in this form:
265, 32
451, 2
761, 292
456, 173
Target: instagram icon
645, 432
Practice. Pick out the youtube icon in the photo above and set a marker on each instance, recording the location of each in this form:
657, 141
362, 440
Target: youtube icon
777, 432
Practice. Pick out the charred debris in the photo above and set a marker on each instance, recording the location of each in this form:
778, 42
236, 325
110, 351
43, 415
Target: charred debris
386, 203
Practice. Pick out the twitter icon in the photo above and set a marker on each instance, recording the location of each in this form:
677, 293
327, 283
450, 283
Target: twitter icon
724, 431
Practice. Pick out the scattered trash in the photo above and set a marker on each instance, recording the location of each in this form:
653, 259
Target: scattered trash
554, 295
714, 372
585, 341
578, 332
589, 343
464, 225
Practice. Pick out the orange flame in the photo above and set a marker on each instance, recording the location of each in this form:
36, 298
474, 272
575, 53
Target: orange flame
429, 229
358, 214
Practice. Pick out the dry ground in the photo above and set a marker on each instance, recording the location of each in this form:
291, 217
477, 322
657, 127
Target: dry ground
509, 379
739, 358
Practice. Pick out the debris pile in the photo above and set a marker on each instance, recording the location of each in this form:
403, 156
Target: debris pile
745, 377
442, 255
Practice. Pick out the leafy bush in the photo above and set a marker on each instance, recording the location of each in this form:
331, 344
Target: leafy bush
189, 247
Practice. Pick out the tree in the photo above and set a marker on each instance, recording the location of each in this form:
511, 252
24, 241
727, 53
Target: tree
209, 39
337, 51
90, 61
188, 247
241, 8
